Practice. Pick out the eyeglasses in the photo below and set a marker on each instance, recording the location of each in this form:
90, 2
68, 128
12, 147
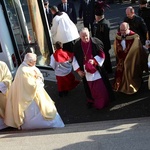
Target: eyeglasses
123, 30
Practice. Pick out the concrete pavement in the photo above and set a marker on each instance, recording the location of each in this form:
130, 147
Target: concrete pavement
126, 134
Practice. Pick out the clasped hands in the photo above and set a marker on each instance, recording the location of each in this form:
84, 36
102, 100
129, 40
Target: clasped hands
82, 73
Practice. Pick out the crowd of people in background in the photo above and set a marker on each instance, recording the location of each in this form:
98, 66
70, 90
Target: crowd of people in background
25, 104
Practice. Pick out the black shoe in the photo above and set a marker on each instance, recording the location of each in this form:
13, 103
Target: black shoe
89, 105
60, 94
65, 93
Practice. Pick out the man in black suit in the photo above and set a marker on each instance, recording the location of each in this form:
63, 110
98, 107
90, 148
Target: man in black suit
86, 11
101, 28
144, 12
48, 13
69, 8
136, 23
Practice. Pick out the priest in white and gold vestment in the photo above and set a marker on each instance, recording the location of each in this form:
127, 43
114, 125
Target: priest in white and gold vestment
28, 105
5, 82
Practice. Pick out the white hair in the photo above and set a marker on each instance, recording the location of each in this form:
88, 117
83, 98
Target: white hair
84, 30
30, 57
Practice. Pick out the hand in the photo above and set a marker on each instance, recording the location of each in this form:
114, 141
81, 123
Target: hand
80, 19
81, 73
70, 60
147, 43
91, 61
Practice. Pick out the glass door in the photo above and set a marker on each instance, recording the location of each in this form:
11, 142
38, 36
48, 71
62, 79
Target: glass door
30, 28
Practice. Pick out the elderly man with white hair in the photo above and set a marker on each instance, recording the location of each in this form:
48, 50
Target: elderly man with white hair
28, 105
87, 62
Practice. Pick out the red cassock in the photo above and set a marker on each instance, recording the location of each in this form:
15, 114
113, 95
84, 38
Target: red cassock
61, 63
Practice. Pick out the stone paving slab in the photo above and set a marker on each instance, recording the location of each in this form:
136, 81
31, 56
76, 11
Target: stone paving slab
126, 134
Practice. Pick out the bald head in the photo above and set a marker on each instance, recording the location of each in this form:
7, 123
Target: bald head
124, 28
30, 59
64, 1
130, 12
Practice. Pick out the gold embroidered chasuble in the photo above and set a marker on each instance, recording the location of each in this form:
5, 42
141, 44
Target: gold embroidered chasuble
130, 64
26, 88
